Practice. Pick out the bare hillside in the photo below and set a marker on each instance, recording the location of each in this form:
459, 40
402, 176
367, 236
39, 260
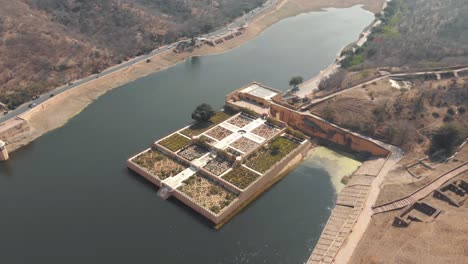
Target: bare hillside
46, 43
416, 34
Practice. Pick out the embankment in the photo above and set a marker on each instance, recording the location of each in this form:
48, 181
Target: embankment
317, 127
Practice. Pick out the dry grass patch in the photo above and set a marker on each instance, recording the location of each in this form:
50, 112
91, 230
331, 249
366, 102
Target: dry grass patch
265, 131
240, 121
269, 155
218, 165
198, 128
245, 145
241, 177
158, 164
175, 142
207, 193
218, 133
193, 152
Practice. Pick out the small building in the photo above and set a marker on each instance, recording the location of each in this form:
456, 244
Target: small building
455, 193
255, 96
417, 212
219, 39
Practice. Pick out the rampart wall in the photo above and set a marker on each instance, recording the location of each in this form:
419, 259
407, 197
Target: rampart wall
317, 127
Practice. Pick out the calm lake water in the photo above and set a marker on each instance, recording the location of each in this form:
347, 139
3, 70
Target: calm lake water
69, 198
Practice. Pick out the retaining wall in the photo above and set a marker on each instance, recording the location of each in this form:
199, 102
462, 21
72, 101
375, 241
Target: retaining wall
136, 168
276, 170
244, 196
13, 128
317, 127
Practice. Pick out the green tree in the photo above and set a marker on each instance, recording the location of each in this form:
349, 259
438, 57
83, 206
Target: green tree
444, 141
296, 81
275, 150
203, 113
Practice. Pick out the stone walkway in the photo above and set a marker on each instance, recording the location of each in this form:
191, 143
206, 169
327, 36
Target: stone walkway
352, 213
422, 192
348, 207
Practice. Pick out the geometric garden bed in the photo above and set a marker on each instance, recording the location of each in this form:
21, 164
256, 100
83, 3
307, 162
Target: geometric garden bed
158, 164
206, 193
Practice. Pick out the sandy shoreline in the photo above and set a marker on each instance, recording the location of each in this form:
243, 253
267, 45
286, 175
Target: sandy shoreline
55, 113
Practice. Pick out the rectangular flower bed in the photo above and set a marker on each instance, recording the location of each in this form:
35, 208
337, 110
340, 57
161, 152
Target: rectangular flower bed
193, 152
218, 165
218, 133
269, 155
241, 177
175, 142
207, 193
244, 144
233, 152
265, 131
198, 128
158, 164
240, 121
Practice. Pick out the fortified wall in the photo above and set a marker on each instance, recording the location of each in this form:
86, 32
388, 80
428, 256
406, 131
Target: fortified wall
258, 97
317, 127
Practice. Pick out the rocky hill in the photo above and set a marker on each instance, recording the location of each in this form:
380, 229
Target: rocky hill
46, 43
416, 34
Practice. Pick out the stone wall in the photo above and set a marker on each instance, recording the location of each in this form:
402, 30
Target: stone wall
259, 185
14, 128
239, 95
276, 170
317, 127
134, 167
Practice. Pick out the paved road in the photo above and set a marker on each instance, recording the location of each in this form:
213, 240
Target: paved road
237, 23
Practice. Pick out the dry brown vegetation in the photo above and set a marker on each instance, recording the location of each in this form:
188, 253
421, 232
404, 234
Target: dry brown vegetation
47, 43
399, 182
158, 164
207, 193
403, 117
417, 34
441, 241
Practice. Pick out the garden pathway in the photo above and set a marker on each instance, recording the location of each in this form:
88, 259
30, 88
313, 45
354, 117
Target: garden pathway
177, 180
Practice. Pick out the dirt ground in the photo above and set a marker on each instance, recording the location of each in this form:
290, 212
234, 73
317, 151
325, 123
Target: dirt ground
392, 115
399, 182
445, 240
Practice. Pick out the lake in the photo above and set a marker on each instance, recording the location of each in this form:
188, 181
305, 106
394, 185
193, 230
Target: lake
69, 198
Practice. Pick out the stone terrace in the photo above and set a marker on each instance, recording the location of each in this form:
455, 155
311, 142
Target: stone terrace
211, 177
350, 203
241, 133
210, 164
348, 207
